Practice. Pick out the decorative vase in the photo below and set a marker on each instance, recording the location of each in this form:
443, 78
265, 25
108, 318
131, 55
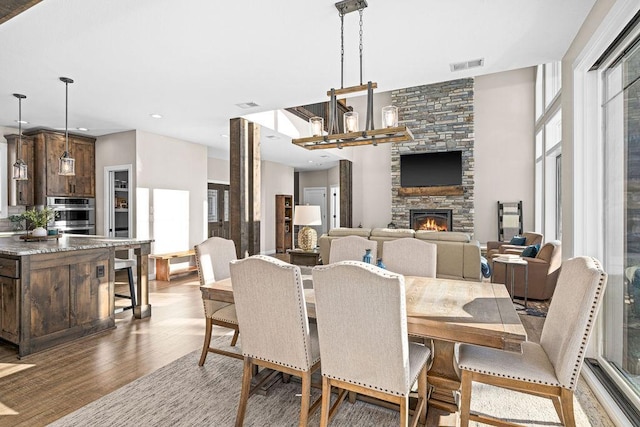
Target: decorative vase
367, 256
380, 264
39, 232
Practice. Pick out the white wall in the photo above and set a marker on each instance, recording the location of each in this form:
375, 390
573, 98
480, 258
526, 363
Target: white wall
218, 170
113, 150
275, 179
504, 147
164, 163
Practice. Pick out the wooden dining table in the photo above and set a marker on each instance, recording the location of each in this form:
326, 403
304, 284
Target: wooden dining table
446, 312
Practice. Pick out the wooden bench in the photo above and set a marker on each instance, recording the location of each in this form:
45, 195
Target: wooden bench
163, 264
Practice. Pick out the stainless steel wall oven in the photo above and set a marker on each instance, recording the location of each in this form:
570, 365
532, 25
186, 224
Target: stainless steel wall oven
73, 215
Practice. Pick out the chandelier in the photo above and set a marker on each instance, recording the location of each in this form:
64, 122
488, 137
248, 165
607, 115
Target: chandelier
66, 164
352, 135
19, 167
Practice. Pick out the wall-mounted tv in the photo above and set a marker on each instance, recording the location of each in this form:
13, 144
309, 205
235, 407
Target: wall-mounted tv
431, 169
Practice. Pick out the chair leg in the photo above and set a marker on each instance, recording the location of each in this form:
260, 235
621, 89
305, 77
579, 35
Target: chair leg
234, 340
404, 412
244, 393
465, 398
207, 341
305, 399
422, 395
558, 405
566, 401
326, 402
132, 286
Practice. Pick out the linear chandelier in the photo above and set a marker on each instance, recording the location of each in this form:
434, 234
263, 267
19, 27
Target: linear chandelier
352, 136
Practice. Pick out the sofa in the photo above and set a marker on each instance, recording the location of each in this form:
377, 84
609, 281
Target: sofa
496, 248
458, 256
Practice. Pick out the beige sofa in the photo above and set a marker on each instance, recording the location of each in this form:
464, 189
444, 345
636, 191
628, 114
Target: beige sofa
458, 256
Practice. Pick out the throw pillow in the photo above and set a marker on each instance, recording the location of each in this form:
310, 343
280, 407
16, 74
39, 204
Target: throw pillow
518, 240
531, 251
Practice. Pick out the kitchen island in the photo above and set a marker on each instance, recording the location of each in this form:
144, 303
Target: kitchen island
58, 290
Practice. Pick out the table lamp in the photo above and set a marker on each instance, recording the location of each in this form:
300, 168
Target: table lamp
307, 215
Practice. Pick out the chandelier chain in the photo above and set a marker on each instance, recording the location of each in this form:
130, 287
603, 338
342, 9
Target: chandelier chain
341, 49
361, 45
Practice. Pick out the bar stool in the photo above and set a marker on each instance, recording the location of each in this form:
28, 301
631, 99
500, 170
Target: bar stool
128, 264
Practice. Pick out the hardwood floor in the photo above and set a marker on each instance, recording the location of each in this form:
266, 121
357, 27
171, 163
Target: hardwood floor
43, 387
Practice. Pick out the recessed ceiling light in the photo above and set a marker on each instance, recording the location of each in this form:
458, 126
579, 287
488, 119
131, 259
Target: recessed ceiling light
82, 129
310, 161
271, 137
156, 116
22, 122
467, 64
224, 135
246, 105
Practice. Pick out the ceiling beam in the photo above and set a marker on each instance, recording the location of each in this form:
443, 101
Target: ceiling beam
11, 8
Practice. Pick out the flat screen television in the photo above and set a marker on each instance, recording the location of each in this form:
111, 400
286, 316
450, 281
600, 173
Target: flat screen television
431, 169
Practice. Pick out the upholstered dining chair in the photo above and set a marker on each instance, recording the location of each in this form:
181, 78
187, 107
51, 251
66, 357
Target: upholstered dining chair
362, 327
212, 259
352, 248
276, 332
551, 368
411, 257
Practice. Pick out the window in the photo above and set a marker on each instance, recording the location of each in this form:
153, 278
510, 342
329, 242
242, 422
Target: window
548, 152
620, 355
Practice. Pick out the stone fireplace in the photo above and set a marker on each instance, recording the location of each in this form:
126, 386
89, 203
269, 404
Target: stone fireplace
431, 219
441, 118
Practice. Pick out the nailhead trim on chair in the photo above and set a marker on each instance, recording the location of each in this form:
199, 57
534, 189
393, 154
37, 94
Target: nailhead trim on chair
496, 374
576, 369
367, 385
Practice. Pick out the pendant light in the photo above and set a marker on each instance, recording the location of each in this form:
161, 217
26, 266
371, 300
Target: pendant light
19, 167
67, 165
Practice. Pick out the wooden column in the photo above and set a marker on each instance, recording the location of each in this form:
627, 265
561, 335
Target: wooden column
244, 192
346, 199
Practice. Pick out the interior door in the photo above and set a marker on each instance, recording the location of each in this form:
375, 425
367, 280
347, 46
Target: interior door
218, 211
317, 196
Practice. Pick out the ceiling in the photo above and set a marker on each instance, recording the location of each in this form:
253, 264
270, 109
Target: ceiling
194, 61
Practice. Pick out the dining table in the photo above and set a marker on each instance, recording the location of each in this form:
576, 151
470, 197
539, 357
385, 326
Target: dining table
441, 312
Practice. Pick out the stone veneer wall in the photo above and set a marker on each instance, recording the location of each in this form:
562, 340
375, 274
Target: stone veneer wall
441, 118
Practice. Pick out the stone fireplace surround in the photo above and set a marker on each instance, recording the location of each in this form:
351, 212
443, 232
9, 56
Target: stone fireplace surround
441, 118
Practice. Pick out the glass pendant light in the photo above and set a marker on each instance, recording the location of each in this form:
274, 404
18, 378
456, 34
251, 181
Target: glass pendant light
67, 165
19, 167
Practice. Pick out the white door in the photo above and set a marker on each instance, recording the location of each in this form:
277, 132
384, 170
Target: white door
317, 196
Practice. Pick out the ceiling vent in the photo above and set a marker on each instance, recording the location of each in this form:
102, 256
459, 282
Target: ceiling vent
467, 64
246, 105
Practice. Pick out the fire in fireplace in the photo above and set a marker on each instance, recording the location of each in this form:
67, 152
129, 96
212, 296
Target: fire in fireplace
431, 219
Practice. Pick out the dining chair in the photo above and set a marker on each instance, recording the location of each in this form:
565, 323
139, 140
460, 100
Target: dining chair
362, 326
411, 257
212, 260
276, 333
550, 368
352, 248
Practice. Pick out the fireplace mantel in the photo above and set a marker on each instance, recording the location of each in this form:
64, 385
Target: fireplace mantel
443, 190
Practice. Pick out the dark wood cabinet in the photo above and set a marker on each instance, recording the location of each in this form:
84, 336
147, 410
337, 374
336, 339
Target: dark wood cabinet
49, 146
21, 192
284, 222
9, 299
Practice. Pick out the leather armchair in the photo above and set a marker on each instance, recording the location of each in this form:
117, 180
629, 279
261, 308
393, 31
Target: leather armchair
495, 248
542, 270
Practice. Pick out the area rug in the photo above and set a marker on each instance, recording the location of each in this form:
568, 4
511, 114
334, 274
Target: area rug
184, 394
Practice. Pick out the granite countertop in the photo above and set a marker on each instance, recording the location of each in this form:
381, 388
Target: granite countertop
13, 245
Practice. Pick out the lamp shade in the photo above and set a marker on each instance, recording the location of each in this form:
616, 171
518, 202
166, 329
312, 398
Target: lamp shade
307, 215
